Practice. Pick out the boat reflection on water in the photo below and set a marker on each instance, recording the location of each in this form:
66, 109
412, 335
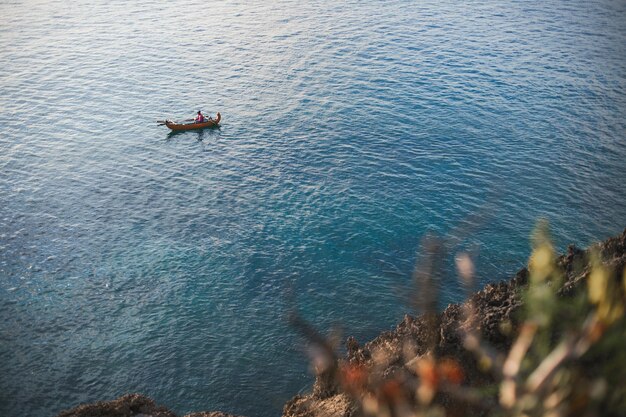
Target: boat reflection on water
200, 134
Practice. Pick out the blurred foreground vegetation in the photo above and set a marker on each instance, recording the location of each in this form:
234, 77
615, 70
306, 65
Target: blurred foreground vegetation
559, 351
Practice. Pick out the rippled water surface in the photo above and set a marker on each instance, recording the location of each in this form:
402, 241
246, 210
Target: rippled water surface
136, 261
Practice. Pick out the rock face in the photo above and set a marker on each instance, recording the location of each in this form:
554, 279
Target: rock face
131, 405
440, 334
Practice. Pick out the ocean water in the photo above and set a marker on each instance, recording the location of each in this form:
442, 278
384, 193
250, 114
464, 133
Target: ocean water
133, 260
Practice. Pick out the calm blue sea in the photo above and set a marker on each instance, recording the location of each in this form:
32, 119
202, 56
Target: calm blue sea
132, 260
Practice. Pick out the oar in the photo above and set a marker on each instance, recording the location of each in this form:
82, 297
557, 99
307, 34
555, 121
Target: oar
163, 122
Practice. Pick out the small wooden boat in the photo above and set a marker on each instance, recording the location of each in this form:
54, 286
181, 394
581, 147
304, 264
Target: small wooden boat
193, 125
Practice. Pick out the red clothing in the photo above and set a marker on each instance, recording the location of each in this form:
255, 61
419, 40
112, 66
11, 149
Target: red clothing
199, 118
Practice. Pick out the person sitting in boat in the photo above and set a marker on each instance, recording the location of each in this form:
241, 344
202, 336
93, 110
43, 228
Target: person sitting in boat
200, 117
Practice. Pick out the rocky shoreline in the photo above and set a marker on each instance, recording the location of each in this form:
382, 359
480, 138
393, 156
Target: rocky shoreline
437, 334
131, 405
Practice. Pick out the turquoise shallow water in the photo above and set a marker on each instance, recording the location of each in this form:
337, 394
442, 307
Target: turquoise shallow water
136, 261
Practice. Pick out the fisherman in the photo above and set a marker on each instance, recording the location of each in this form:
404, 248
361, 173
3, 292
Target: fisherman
200, 117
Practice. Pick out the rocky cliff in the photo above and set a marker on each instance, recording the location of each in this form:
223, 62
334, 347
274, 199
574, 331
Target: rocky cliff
390, 369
